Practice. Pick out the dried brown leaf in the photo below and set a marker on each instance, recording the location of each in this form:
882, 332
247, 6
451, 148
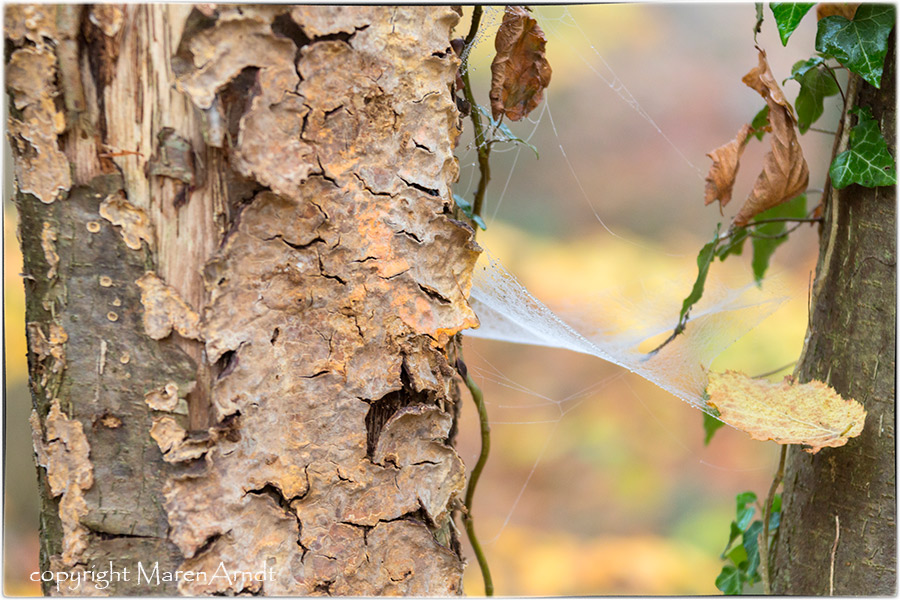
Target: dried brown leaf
785, 173
829, 9
811, 413
722, 173
520, 71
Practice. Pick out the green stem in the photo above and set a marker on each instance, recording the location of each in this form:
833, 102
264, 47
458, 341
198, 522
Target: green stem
763, 540
483, 148
772, 372
784, 220
478, 397
473, 27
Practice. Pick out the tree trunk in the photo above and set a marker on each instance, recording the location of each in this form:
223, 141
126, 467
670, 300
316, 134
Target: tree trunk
838, 532
243, 280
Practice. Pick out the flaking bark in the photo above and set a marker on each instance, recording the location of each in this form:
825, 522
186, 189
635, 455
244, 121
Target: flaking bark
241, 289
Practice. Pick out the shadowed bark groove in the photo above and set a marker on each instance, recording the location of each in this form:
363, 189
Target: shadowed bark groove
851, 344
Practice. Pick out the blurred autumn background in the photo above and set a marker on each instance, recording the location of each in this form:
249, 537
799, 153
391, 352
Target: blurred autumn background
598, 481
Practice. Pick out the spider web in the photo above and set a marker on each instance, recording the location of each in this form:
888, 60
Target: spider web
615, 327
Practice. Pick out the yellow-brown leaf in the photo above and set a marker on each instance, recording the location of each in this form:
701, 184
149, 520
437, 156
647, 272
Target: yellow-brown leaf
785, 173
811, 413
520, 71
722, 173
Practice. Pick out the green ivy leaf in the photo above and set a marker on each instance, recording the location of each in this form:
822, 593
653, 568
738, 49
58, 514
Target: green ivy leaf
729, 581
743, 499
735, 534
704, 259
735, 246
738, 556
867, 162
769, 236
759, 123
710, 426
775, 514
860, 44
751, 546
466, 206
774, 521
744, 517
816, 83
787, 16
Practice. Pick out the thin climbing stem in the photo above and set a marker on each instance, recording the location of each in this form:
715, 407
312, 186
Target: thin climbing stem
785, 233
763, 539
816, 129
785, 220
778, 370
830, 70
478, 397
473, 28
481, 146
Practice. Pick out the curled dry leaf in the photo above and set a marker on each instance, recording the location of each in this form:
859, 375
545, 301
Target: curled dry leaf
785, 173
811, 413
723, 172
520, 71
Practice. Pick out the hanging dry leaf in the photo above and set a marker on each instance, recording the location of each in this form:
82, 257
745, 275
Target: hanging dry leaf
811, 413
722, 173
829, 9
520, 71
785, 173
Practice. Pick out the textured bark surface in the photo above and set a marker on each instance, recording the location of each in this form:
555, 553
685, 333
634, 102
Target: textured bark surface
242, 278
851, 344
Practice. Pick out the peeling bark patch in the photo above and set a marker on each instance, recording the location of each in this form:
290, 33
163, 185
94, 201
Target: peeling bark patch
164, 310
44, 347
35, 123
33, 22
135, 226
174, 443
318, 308
163, 399
66, 457
48, 243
